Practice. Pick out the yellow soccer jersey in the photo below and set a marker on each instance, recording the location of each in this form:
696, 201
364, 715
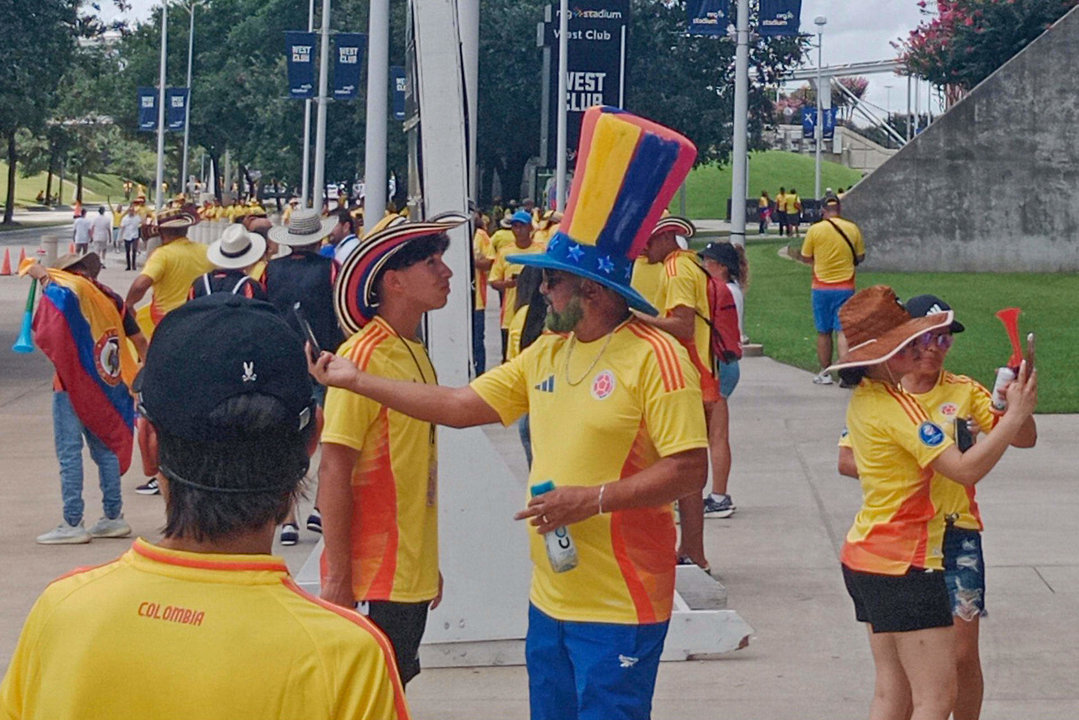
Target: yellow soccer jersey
791, 203
395, 479
648, 280
957, 397
481, 247
894, 443
173, 267
514, 332
685, 283
215, 637
833, 261
638, 402
501, 238
503, 270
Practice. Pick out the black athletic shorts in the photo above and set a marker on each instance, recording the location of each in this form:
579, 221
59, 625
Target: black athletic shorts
403, 624
899, 603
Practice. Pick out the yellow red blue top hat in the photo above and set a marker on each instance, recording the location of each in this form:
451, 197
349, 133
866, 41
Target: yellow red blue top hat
354, 289
628, 169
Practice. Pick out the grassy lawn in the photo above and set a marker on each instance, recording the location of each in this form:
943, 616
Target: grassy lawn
709, 187
95, 188
779, 315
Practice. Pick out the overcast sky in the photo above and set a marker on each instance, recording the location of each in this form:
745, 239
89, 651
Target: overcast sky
857, 31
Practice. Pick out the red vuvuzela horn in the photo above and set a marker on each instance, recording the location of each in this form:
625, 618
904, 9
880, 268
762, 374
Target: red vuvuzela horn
1010, 318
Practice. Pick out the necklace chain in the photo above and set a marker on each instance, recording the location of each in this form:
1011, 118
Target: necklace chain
419, 368
569, 353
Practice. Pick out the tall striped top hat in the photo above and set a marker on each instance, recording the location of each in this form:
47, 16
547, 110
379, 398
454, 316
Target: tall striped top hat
354, 297
628, 169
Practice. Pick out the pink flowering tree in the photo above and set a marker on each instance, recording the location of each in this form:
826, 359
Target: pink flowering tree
961, 42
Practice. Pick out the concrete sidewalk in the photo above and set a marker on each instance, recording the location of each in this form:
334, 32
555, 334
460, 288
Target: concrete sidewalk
777, 557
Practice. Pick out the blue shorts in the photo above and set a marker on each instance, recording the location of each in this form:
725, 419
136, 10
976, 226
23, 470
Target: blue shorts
964, 572
591, 671
729, 374
826, 304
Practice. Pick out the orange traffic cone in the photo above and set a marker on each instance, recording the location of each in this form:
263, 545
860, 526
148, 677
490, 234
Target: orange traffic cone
22, 255
5, 269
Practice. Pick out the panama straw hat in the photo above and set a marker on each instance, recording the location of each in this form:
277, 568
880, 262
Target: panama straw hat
90, 262
628, 169
354, 290
305, 226
877, 326
236, 248
176, 217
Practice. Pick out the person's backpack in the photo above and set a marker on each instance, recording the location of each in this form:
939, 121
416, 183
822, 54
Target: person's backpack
726, 335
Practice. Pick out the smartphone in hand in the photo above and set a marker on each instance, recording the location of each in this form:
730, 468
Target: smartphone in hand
1030, 354
313, 348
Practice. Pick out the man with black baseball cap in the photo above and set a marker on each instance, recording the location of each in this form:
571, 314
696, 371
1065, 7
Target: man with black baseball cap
231, 426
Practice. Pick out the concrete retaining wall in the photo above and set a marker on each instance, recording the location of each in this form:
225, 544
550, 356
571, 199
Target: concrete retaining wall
992, 185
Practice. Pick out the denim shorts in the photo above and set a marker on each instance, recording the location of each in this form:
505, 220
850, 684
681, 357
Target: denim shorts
964, 572
826, 304
729, 374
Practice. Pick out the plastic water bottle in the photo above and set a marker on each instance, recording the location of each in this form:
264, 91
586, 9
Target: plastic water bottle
560, 548
1004, 376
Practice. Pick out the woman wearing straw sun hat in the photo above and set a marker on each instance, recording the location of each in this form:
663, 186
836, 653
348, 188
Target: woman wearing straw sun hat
892, 557
233, 255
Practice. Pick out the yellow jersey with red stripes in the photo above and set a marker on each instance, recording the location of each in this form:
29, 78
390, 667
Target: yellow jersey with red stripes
648, 280
173, 267
602, 411
833, 259
221, 636
956, 398
394, 481
505, 270
685, 284
481, 247
894, 442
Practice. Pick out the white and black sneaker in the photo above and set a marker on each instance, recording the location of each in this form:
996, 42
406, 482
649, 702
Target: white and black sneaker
718, 506
314, 521
149, 488
290, 534
823, 378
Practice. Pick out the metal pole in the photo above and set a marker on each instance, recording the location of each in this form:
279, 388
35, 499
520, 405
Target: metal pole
741, 121
305, 183
187, 105
378, 79
320, 123
818, 132
917, 110
468, 13
910, 118
563, 66
159, 197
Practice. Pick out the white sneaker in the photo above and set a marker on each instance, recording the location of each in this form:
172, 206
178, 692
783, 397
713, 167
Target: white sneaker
64, 534
823, 378
110, 528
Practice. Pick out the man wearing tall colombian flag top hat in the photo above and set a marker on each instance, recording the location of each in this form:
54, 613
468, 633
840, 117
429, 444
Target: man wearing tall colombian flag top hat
617, 425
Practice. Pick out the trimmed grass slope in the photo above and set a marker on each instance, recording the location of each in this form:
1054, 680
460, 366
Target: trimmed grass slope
95, 188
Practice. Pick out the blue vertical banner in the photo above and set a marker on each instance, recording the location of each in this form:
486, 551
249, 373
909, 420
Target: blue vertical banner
300, 58
175, 109
147, 109
780, 17
809, 119
398, 86
708, 17
349, 61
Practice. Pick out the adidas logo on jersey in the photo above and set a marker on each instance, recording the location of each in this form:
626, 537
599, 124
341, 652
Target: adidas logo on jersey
547, 385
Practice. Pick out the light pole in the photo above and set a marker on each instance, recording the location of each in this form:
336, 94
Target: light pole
320, 120
159, 196
305, 183
190, 7
378, 79
820, 21
563, 64
739, 152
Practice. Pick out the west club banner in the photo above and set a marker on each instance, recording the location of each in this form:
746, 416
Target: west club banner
175, 109
780, 17
398, 85
349, 61
809, 119
708, 17
147, 109
300, 58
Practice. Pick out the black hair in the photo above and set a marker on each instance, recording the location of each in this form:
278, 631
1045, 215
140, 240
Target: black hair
272, 461
417, 250
345, 217
528, 285
852, 376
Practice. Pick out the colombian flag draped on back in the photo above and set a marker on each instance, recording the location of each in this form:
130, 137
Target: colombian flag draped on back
80, 330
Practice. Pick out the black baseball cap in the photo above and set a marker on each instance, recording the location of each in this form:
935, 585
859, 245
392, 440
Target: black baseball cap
722, 252
212, 349
922, 305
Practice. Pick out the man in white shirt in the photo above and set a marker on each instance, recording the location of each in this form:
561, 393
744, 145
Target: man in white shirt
101, 232
129, 233
82, 233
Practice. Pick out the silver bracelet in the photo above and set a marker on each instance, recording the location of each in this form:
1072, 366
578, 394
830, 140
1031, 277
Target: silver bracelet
599, 502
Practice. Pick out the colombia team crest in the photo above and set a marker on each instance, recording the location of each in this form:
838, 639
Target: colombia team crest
603, 385
107, 357
949, 409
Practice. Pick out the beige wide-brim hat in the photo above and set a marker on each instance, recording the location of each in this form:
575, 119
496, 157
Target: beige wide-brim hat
877, 327
236, 248
305, 226
90, 262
